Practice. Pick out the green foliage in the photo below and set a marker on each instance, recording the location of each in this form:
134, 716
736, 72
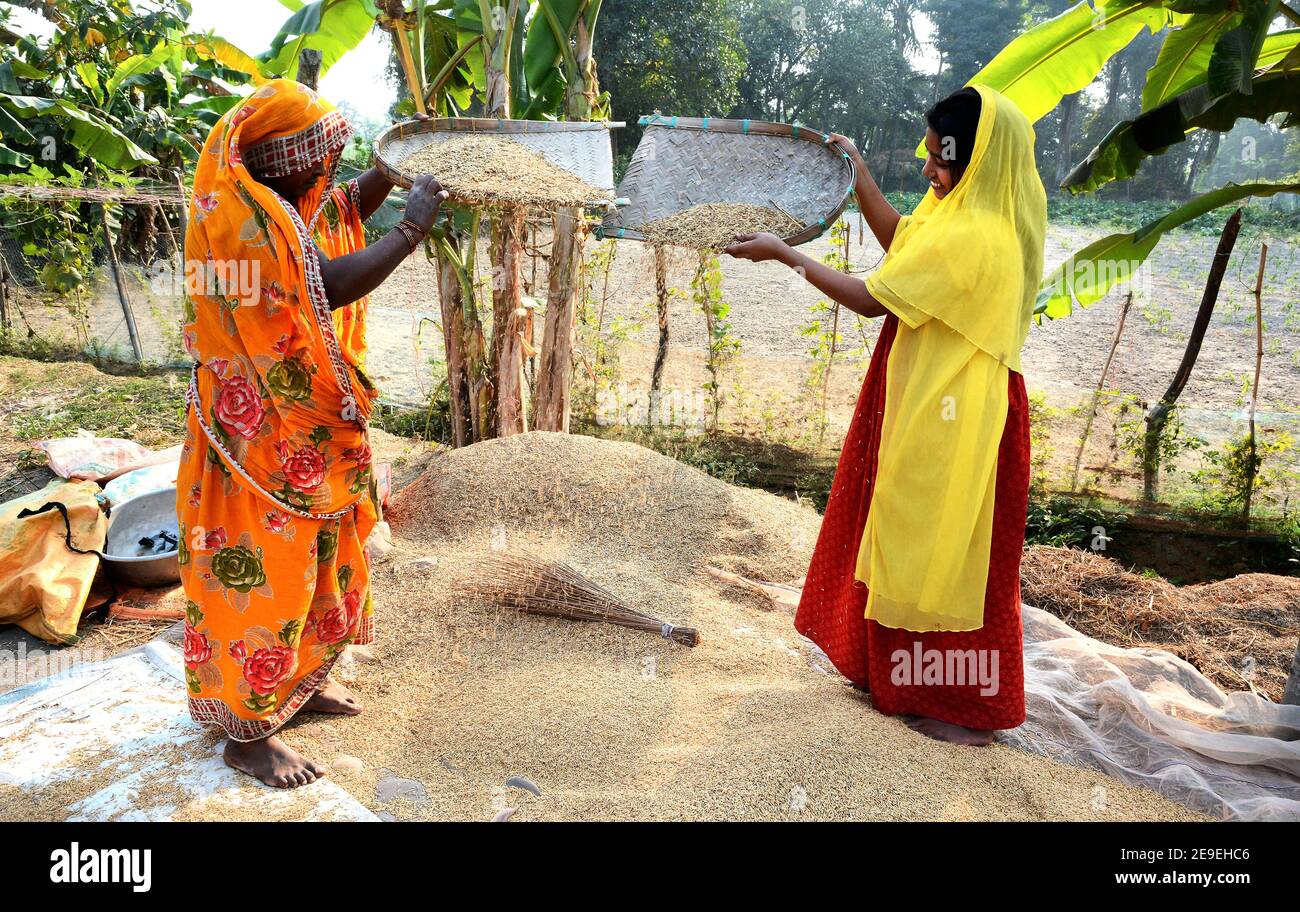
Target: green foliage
1064, 54
824, 331
1122, 151
1063, 522
107, 91
796, 66
1226, 475
332, 27
723, 346
677, 56
1087, 275
1173, 444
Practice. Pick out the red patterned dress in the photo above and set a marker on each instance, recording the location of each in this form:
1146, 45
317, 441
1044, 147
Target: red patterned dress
831, 610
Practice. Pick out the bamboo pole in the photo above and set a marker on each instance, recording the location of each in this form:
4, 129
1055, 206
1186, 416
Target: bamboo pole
1254, 387
115, 268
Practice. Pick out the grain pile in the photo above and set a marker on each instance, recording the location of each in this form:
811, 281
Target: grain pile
609, 723
1240, 633
713, 225
483, 169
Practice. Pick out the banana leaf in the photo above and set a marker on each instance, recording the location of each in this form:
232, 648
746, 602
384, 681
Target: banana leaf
1277, 47
332, 27
544, 49
1063, 55
1232, 63
211, 47
1086, 276
14, 158
93, 136
138, 65
1122, 150
1184, 56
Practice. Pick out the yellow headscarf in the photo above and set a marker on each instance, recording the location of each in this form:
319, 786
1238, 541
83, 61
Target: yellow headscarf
961, 274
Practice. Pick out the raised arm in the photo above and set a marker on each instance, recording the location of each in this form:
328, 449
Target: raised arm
374, 189
881, 216
352, 277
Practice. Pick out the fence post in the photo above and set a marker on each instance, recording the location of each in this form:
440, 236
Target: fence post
4, 293
121, 289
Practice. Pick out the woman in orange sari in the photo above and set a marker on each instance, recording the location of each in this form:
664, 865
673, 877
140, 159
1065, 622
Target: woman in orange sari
273, 494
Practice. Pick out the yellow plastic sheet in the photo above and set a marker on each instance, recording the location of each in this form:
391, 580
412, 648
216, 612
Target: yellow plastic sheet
962, 274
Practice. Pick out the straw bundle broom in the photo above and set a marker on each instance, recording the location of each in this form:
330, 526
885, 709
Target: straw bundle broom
552, 588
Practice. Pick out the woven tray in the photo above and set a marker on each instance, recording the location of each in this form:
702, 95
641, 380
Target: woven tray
686, 161
578, 147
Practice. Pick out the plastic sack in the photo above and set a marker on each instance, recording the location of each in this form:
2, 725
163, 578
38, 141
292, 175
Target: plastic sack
43, 582
90, 457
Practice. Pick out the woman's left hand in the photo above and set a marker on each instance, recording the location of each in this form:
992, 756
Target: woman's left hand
757, 247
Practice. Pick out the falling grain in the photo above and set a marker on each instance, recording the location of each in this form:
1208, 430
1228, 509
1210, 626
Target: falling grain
713, 225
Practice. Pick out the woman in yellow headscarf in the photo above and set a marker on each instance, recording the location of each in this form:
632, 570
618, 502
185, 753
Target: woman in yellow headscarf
914, 587
273, 494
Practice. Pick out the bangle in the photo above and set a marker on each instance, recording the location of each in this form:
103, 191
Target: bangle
412, 234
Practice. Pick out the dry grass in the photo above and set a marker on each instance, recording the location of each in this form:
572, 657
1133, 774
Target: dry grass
714, 225
480, 169
1240, 633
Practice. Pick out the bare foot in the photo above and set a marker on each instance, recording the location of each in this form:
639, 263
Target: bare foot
272, 762
946, 731
333, 698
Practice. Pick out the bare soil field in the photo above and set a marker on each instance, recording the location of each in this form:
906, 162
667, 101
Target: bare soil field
766, 389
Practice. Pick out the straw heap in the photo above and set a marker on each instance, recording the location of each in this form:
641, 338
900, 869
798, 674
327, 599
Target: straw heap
483, 169
712, 225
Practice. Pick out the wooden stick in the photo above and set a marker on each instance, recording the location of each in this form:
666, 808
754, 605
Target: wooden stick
4, 293
1159, 414
1254, 388
116, 269
1101, 385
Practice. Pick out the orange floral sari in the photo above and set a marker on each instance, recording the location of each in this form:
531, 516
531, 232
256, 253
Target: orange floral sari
273, 490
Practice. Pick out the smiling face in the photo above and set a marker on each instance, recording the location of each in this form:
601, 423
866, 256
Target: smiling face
940, 169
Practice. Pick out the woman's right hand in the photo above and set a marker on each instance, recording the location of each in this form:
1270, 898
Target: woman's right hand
844, 144
424, 200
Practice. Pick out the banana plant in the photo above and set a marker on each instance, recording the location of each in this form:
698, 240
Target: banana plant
1220, 60
1090, 273
332, 27
1130, 142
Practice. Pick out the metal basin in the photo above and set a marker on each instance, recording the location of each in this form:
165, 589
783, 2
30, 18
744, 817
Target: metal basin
143, 517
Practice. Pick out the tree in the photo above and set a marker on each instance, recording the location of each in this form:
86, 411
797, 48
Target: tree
676, 56
834, 64
966, 34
